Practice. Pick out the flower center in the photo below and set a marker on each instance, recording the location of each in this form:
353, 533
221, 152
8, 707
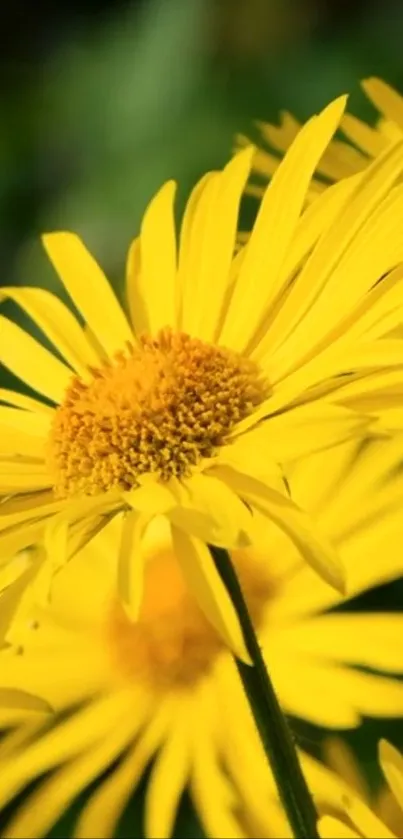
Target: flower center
172, 644
160, 407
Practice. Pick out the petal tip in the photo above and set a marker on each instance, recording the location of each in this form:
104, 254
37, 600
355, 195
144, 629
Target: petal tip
387, 753
338, 105
336, 577
56, 238
369, 81
168, 189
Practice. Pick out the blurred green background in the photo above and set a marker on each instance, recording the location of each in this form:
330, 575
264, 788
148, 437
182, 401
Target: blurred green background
102, 100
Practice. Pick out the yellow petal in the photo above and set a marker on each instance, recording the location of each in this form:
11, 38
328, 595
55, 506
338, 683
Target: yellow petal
16, 538
40, 810
213, 512
274, 228
20, 400
131, 563
340, 160
57, 323
388, 101
102, 811
378, 304
322, 697
89, 289
331, 828
340, 758
303, 532
281, 319
366, 259
19, 446
324, 377
133, 268
22, 477
369, 392
72, 737
55, 542
17, 738
210, 276
246, 767
367, 640
368, 824
243, 748
194, 222
83, 666
80, 732
366, 560
168, 779
11, 717
244, 454
301, 431
373, 695
333, 465
36, 584
23, 511
324, 289
207, 587
77, 509
90, 579
389, 129
379, 312
36, 425
16, 575
354, 521
24, 701
370, 140
210, 788
392, 767
153, 286
28, 360
151, 497
281, 136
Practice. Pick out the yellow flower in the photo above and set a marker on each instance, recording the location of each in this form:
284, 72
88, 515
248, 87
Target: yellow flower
226, 367
165, 688
358, 821
361, 143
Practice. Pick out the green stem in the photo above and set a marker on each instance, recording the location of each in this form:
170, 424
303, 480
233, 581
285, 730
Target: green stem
270, 721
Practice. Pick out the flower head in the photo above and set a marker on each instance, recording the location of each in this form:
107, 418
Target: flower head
167, 404
226, 366
164, 689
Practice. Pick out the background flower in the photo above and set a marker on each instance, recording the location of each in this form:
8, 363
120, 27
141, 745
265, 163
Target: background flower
342, 760
165, 687
345, 157
358, 820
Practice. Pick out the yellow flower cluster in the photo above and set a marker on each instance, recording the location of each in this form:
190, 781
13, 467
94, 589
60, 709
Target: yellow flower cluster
243, 397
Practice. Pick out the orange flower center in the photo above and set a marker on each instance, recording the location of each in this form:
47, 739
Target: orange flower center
172, 644
158, 408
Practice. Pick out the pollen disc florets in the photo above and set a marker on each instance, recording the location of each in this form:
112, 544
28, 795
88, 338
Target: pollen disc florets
172, 644
160, 407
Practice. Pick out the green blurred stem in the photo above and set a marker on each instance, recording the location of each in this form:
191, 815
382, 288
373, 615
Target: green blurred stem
270, 721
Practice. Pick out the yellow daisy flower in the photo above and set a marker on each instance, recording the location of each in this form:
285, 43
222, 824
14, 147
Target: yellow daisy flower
359, 821
226, 367
360, 142
165, 688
